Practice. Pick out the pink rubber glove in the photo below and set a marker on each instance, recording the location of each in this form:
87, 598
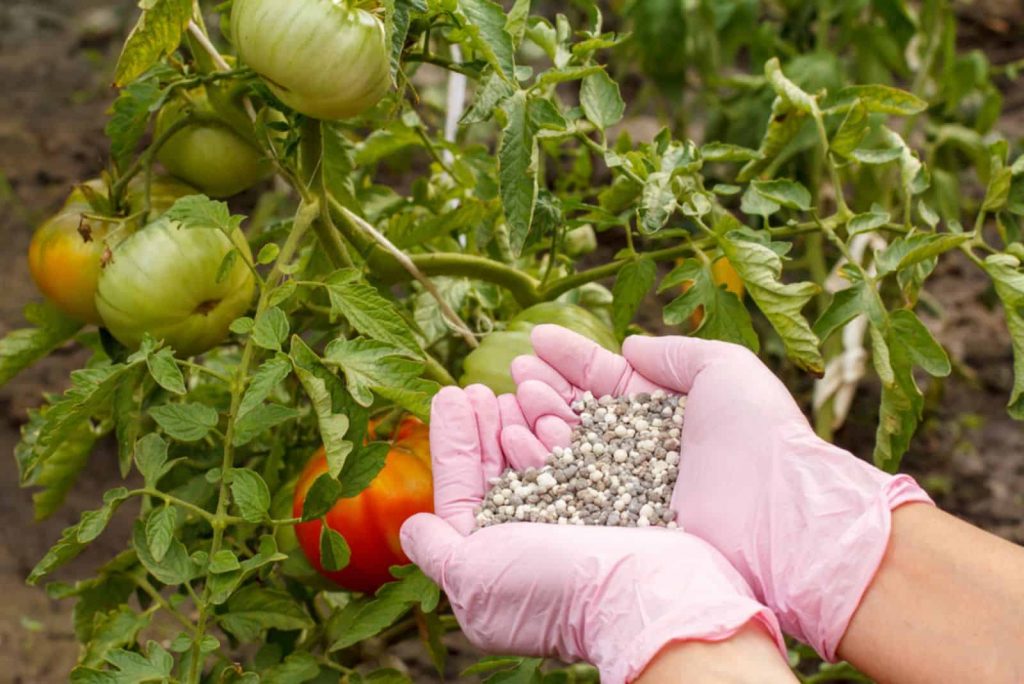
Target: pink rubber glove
613, 597
805, 522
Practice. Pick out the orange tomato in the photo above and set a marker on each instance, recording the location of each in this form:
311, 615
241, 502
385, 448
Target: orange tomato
370, 522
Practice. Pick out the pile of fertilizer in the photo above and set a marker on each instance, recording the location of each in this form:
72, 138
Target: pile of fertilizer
619, 470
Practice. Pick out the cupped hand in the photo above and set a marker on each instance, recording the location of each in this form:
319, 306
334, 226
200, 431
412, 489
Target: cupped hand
610, 596
804, 522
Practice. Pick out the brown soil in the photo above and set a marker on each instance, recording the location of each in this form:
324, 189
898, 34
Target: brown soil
55, 56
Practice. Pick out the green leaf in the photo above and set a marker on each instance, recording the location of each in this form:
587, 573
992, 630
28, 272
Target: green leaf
223, 561
296, 668
129, 117
64, 551
268, 253
263, 417
361, 469
867, 222
1009, 285
368, 312
753, 203
724, 317
174, 568
486, 28
884, 99
369, 364
92, 523
784, 123
760, 268
517, 170
334, 551
845, 306
602, 104
393, 600
21, 348
321, 497
924, 350
658, 202
786, 89
786, 193
250, 494
160, 527
725, 152
151, 458
414, 395
490, 93
326, 393
338, 166
998, 190
851, 131
199, 211
58, 473
908, 251
526, 672
156, 35
242, 325
879, 156
398, 16
632, 284
187, 422
111, 631
263, 382
271, 329
254, 609
515, 23
165, 371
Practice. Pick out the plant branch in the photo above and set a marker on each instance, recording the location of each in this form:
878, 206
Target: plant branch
453, 318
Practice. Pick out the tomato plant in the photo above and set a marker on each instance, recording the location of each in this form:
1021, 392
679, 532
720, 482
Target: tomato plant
448, 175
370, 521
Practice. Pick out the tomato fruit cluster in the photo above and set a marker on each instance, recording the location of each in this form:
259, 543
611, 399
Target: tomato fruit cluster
370, 522
321, 58
489, 363
67, 251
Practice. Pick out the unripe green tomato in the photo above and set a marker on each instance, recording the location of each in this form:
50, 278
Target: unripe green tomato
68, 249
320, 57
489, 363
162, 280
580, 241
210, 156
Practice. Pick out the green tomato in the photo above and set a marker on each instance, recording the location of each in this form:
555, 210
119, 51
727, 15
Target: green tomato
320, 57
489, 363
211, 156
163, 281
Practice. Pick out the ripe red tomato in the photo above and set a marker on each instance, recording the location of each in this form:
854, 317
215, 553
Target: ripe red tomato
371, 521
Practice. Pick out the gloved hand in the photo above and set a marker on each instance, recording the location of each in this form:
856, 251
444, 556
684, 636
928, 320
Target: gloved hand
805, 522
611, 596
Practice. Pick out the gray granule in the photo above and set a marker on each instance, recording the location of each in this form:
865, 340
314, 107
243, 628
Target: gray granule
619, 470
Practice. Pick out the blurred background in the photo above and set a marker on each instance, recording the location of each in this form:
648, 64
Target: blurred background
693, 66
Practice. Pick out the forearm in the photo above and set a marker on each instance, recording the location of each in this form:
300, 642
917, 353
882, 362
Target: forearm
747, 657
947, 605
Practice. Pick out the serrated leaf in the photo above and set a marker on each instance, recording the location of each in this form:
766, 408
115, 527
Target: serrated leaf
851, 131
175, 567
92, 523
242, 325
199, 211
65, 550
156, 35
998, 190
261, 418
165, 371
883, 99
263, 382
296, 668
632, 284
784, 123
337, 159
334, 551
21, 348
391, 602
360, 470
491, 91
160, 528
250, 493
760, 268
151, 458
517, 170
1009, 286
600, 99
254, 609
867, 222
369, 364
223, 561
724, 317
111, 631
187, 422
368, 312
129, 117
906, 252
845, 306
657, 202
58, 473
786, 193
486, 27
753, 203
398, 16
271, 329
325, 392
725, 152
